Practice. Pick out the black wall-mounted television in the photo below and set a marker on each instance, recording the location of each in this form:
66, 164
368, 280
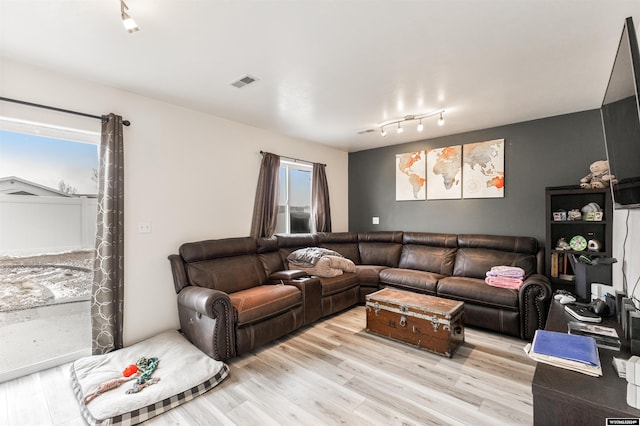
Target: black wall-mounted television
620, 113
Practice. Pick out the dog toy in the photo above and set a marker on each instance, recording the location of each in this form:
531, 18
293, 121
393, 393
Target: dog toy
106, 387
141, 371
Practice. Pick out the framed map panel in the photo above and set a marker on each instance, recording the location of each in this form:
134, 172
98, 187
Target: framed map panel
410, 176
483, 169
444, 173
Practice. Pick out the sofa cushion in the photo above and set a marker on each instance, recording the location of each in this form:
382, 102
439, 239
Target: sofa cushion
271, 262
262, 302
439, 260
476, 262
269, 255
288, 243
334, 285
350, 251
431, 239
369, 274
505, 321
381, 237
384, 254
345, 243
525, 245
422, 281
227, 274
212, 249
296, 240
475, 291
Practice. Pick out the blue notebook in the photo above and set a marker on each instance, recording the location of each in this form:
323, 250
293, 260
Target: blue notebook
570, 347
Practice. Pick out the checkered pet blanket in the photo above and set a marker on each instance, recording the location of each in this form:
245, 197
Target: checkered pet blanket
184, 371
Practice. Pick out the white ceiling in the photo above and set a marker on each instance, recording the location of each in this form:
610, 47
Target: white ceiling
329, 69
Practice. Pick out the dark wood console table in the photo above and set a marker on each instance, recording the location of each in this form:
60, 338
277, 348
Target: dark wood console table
564, 397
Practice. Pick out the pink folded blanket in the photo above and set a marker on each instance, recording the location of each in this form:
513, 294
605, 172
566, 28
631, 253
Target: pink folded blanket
504, 282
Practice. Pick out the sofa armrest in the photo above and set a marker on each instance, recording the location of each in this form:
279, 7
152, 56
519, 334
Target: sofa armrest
534, 297
287, 275
309, 286
207, 319
203, 300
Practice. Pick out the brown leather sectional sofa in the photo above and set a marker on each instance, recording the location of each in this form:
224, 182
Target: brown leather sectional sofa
236, 294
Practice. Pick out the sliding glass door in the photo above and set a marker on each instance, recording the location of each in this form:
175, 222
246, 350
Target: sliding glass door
48, 189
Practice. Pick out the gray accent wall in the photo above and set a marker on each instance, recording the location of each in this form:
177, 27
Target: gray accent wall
555, 151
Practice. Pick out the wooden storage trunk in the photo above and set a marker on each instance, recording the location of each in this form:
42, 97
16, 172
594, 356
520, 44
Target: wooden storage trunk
427, 322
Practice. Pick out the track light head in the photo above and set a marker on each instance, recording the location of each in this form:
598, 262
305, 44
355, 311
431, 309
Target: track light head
383, 132
128, 22
441, 120
420, 126
400, 129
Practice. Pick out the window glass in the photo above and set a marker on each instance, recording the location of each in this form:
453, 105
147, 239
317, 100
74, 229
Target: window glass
294, 213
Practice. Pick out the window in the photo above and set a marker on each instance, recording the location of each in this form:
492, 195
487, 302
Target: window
294, 198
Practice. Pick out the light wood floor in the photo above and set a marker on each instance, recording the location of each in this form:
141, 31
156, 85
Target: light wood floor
332, 372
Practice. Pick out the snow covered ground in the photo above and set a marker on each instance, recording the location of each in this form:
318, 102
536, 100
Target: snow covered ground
27, 282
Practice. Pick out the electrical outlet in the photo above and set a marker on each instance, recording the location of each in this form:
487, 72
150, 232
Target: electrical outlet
144, 228
375, 220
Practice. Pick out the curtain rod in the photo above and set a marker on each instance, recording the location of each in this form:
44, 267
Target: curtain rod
102, 118
292, 158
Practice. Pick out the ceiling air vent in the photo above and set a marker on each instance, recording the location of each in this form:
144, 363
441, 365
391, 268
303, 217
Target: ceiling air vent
244, 81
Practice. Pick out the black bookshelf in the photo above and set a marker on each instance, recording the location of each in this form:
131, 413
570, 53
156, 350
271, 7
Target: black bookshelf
558, 263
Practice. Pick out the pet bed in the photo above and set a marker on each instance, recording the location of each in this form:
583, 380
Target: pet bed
184, 372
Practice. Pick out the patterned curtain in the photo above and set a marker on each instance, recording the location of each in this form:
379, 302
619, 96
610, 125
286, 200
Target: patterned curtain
320, 199
107, 301
265, 208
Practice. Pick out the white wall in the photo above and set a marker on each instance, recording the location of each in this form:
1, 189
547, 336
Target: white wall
626, 224
191, 175
31, 224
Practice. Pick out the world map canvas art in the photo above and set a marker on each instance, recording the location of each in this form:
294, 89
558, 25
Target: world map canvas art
444, 173
410, 176
483, 169
474, 170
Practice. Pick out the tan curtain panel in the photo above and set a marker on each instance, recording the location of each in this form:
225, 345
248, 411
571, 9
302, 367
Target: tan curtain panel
265, 208
320, 199
107, 300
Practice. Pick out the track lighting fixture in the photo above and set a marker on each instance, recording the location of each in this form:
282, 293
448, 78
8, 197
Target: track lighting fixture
127, 20
417, 117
